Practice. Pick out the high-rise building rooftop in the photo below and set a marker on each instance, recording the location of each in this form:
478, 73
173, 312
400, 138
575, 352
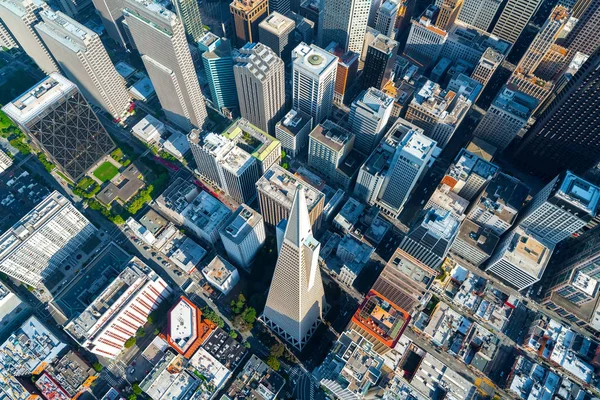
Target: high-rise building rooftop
331, 135
39, 98
515, 102
257, 58
312, 58
578, 192
252, 139
277, 23
528, 253
447, 106
236, 161
417, 145
504, 197
468, 35
240, 224
467, 163
282, 185
442, 225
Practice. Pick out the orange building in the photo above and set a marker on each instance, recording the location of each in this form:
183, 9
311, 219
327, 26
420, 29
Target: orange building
187, 329
347, 69
380, 321
247, 14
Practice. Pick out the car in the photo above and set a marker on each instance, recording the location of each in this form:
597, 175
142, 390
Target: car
153, 254
131, 371
159, 258
146, 248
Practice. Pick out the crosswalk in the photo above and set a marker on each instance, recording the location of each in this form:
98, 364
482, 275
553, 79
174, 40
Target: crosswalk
115, 381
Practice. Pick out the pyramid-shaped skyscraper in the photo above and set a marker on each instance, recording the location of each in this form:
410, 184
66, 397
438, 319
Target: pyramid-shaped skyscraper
296, 298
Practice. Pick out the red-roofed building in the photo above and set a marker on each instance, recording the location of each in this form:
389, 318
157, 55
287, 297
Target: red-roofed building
380, 321
187, 329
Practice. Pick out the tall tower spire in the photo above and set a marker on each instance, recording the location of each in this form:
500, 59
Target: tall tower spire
296, 297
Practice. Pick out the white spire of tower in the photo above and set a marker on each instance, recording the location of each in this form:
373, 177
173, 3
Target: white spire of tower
296, 297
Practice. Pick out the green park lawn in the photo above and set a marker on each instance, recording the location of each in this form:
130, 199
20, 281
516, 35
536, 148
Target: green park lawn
106, 171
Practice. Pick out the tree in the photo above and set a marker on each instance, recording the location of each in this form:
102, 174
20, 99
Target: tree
132, 397
273, 363
247, 345
211, 315
152, 318
277, 350
237, 306
97, 366
233, 334
129, 342
141, 332
249, 315
135, 387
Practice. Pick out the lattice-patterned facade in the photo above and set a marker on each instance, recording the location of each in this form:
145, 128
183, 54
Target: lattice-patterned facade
71, 135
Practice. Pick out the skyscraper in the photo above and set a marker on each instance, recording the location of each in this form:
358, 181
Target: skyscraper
277, 32
346, 70
408, 162
218, 65
283, 7
561, 208
425, 41
276, 192
20, 16
260, 81
111, 14
375, 174
508, 114
449, 10
515, 16
487, 65
566, 134
160, 38
208, 149
296, 299
35, 247
85, 61
345, 22
369, 115
520, 259
188, 12
379, 62
61, 123
498, 205
239, 172
6, 39
243, 235
439, 112
293, 131
468, 174
385, 21
543, 40
479, 13
314, 71
328, 146
585, 36
430, 239
247, 15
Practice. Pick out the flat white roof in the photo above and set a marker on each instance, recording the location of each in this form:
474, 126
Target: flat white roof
182, 321
38, 98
